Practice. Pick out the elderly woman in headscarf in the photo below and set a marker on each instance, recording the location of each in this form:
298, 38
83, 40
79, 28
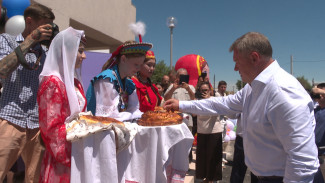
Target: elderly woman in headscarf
60, 95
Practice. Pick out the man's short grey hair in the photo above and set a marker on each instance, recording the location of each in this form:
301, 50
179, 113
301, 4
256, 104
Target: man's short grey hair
181, 70
252, 41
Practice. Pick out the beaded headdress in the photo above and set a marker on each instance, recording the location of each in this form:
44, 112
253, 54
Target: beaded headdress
150, 55
131, 48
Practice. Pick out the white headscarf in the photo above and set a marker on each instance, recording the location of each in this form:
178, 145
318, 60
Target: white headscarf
60, 61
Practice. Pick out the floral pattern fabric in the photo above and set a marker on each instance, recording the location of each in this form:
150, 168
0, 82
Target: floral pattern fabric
53, 111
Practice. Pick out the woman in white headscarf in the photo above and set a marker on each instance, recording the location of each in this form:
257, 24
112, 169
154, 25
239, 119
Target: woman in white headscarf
60, 95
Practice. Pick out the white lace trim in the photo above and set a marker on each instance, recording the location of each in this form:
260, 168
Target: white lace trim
111, 111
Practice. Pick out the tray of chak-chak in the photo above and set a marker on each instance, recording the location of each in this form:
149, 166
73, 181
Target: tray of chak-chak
160, 117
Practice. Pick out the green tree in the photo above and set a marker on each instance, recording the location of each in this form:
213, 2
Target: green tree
239, 84
304, 82
160, 70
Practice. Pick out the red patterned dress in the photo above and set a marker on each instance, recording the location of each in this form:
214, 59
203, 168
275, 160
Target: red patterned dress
148, 95
53, 110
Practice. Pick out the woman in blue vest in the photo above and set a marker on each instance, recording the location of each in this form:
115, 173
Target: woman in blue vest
112, 92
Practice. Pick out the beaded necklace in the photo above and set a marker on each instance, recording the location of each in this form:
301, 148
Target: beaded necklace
123, 94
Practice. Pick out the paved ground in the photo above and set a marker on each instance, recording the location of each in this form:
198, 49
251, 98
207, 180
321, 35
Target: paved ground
190, 177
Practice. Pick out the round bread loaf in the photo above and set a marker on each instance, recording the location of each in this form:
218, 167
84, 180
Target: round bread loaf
160, 117
100, 119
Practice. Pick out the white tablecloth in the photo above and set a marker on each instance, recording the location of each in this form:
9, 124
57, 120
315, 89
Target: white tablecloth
157, 154
93, 158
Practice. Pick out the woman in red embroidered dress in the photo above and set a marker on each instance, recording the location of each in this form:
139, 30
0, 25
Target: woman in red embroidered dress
60, 95
147, 92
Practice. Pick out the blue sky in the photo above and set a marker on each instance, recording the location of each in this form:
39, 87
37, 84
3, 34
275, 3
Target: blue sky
209, 27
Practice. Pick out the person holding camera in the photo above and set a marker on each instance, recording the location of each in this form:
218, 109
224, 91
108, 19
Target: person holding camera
21, 62
208, 164
181, 90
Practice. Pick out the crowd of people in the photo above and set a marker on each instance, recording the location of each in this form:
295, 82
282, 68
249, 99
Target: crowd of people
279, 138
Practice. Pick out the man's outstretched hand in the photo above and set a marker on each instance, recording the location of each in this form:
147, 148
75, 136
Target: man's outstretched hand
172, 105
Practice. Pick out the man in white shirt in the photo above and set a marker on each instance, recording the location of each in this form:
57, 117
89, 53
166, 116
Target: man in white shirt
277, 114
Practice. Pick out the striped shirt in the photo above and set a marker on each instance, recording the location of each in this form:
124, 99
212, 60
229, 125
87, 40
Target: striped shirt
18, 103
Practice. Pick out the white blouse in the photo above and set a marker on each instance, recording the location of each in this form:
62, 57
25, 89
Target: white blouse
207, 124
107, 99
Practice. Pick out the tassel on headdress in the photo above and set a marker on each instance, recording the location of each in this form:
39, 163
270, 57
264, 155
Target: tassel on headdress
138, 29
